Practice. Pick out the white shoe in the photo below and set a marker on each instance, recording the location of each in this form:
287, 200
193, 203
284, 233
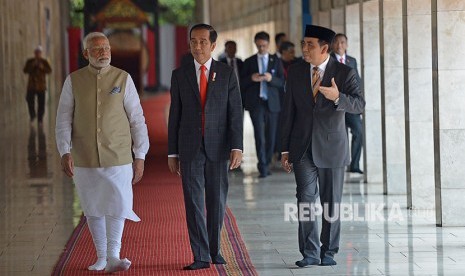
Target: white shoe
99, 265
115, 265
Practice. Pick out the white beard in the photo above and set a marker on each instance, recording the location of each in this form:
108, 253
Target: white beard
99, 63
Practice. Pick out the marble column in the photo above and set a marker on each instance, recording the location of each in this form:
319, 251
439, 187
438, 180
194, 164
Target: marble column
420, 104
337, 20
324, 19
371, 72
353, 33
449, 101
394, 97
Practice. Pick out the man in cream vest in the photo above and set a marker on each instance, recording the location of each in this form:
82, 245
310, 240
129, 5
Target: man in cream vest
99, 118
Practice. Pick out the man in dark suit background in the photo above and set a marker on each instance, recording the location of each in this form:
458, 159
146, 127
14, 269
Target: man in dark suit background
279, 38
318, 94
353, 121
230, 49
205, 131
262, 78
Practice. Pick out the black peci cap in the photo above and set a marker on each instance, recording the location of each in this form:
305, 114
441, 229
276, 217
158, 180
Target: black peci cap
319, 32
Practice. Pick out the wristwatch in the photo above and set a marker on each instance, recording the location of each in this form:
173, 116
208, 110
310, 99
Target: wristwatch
336, 101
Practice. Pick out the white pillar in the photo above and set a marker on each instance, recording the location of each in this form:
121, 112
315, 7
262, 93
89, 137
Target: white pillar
337, 20
420, 104
450, 102
372, 87
394, 97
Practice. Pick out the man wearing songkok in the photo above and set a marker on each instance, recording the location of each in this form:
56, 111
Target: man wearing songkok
99, 118
319, 92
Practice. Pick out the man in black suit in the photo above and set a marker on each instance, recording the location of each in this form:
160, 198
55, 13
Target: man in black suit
261, 81
205, 131
318, 94
230, 48
353, 121
279, 38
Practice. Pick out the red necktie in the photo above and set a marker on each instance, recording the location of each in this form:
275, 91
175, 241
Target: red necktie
203, 92
341, 60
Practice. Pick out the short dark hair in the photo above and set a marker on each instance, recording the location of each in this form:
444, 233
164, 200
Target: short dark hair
232, 42
262, 35
286, 45
202, 26
278, 36
339, 35
322, 43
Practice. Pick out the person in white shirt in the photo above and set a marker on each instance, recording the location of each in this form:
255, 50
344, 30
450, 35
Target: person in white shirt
99, 117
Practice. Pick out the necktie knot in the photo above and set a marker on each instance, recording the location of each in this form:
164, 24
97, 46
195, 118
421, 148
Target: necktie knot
203, 68
341, 60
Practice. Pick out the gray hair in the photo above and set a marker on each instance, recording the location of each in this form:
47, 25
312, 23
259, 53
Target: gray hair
89, 37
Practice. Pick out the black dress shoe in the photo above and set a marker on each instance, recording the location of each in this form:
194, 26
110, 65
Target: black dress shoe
307, 262
218, 259
356, 171
262, 175
326, 261
197, 265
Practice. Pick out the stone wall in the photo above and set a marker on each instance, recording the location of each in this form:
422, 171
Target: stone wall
23, 26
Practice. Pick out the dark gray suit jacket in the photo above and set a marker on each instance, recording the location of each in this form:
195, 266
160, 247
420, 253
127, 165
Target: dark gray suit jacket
350, 61
320, 124
223, 113
251, 89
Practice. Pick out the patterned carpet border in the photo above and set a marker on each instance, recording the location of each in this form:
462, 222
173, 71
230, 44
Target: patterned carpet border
70, 245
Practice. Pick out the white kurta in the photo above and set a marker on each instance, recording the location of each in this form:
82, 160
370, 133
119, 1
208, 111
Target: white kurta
104, 191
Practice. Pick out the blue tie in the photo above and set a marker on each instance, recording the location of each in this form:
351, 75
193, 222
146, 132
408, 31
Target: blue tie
264, 85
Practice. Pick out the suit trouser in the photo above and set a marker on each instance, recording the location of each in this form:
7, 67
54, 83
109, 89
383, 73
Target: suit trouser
30, 98
330, 192
205, 186
354, 122
265, 124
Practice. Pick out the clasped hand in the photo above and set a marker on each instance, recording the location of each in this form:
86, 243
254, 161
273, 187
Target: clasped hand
331, 93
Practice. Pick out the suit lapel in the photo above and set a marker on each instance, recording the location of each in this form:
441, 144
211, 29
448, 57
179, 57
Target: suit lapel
329, 73
348, 61
192, 78
211, 81
308, 84
255, 64
271, 61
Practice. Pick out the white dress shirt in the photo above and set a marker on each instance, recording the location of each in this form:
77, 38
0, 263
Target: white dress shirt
338, 57
321, 68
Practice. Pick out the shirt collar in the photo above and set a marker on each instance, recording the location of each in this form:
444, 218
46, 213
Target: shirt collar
322, 67
97, 71
207, 64
338, 57
265, 55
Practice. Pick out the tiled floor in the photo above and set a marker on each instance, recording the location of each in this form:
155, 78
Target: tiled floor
39, 209
381, 238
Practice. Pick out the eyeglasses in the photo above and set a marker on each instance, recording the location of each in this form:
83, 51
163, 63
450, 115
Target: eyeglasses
99, 49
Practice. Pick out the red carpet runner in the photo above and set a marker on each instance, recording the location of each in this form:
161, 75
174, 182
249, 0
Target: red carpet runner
159, 244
